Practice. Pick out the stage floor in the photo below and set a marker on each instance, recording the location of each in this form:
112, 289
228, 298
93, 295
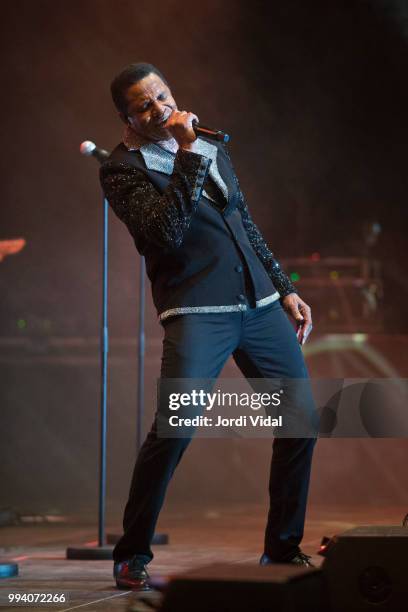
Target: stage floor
198, 537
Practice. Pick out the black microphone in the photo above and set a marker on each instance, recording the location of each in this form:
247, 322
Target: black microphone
203, 130
89, 148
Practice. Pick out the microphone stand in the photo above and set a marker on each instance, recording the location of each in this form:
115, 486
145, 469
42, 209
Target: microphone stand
104, 547
101, 551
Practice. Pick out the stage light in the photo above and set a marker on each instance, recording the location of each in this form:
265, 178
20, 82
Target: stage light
334, 275
294, 276
315, 256
21, 324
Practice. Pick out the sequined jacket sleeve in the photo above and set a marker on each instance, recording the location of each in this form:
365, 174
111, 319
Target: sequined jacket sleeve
272, 265
150, 216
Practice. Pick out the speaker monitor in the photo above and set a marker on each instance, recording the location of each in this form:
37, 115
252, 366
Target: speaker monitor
366, 570
239, 588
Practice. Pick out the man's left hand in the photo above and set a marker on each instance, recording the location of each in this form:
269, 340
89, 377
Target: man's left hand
300, 311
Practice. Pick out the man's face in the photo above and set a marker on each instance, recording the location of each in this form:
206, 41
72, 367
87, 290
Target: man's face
149, 105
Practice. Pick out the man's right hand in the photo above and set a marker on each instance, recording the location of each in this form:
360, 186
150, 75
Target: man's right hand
180, 127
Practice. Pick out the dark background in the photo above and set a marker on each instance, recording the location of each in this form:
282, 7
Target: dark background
314, 95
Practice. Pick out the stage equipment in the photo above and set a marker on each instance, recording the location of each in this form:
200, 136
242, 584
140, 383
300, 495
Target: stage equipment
365, 569
8, 569
203, 130
239, 588
90, 149
101, 551
10, 247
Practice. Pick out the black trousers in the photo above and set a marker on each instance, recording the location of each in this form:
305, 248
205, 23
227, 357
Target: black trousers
264, 345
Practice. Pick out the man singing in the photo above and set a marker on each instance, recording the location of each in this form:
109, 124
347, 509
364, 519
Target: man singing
218, 290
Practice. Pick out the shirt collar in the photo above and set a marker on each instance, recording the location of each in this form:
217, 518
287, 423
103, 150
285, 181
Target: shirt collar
133, 141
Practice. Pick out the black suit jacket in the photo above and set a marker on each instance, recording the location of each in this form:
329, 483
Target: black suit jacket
197, 255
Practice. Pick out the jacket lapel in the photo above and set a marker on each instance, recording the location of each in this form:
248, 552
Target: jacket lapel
227, 172
157, 158
203, 147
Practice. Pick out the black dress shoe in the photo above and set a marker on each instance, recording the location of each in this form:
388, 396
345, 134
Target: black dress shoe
300, 558
131, 574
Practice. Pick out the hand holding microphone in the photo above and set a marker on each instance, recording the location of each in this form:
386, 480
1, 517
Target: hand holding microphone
180, 126
185, 128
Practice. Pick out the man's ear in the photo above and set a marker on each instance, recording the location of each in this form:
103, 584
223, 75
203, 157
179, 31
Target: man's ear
124, 118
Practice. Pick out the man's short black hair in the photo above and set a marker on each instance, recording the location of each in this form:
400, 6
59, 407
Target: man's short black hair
128, 77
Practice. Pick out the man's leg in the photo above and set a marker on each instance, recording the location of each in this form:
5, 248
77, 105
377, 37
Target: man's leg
269, 349
194, 346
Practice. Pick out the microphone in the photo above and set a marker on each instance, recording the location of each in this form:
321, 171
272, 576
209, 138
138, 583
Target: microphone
89, 149
203, 130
